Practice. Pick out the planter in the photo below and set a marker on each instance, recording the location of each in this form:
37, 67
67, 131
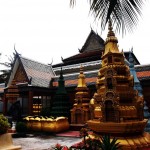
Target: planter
35, 124
6, 142
48, 125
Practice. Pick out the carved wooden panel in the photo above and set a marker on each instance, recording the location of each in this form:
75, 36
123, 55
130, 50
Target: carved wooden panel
20, 76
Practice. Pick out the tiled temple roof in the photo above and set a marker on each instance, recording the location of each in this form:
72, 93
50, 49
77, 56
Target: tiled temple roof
84, 55
97, 43
72, 69
72, 80
90, 51
140, 68
30, 73
143, 73
40, 74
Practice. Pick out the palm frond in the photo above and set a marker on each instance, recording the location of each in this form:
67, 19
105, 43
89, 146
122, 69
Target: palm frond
123, 13
72, 3
108, 144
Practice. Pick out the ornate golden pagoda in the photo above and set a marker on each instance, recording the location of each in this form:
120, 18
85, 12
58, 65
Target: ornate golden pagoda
80, 112
117, 107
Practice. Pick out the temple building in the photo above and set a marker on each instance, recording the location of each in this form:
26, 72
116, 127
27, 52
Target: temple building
29, 84
37, 83
89, 57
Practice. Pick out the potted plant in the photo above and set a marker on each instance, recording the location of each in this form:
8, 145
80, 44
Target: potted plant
21, 129
4, 124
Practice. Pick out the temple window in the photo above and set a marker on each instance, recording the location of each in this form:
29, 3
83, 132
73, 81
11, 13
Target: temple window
117, 60
37, 106
109, 59
109, 83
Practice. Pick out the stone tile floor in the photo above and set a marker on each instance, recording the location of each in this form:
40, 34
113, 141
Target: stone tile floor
44, 142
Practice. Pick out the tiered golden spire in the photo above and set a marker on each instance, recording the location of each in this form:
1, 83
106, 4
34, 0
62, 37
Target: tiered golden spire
110, 31
111, 41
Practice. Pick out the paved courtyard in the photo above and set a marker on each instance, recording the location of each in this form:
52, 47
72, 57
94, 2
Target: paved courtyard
44, 142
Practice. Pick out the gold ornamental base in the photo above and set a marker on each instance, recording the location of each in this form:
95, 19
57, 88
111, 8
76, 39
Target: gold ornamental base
122, 128
47, 125
130, 135
140, 142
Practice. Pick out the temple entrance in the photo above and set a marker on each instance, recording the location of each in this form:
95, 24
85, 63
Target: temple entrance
78, 116
109, 111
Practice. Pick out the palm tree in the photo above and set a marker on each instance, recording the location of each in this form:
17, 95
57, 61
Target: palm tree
124, 14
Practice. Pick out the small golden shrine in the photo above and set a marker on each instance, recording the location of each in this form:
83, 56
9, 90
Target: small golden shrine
80, 112
117, 107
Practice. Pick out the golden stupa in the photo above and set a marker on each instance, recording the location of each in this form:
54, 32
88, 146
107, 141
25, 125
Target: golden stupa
80, 113
117, 107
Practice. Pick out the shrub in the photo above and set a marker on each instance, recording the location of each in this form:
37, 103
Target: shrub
4, 125
21, 127
108, 144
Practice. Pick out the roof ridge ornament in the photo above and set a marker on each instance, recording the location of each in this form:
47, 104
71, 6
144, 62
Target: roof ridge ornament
16, 53
131, 60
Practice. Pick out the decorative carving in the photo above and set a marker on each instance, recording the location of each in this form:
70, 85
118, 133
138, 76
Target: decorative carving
109, 95
20, 76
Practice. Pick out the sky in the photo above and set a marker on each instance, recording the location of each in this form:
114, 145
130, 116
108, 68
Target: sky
46, 30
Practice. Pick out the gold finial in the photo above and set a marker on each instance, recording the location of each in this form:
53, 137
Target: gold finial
81, 78
110, 29
111, 41
111, 35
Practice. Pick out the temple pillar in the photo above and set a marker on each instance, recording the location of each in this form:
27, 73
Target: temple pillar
30, 102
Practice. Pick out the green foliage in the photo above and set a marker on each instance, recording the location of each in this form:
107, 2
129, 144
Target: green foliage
4, 124
124, 13
4, 76
97, 143
5, 73
21, 127
108, 144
